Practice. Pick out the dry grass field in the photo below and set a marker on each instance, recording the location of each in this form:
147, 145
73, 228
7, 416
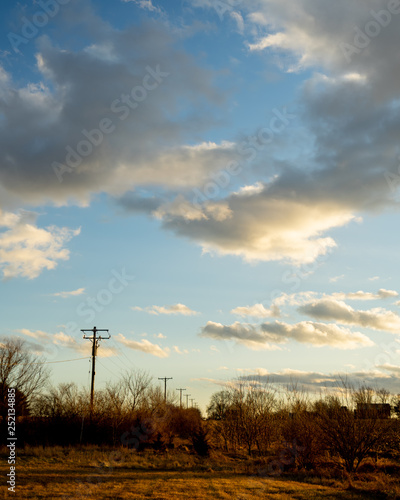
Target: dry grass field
92, 473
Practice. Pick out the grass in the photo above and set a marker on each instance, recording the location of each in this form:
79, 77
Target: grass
94, 473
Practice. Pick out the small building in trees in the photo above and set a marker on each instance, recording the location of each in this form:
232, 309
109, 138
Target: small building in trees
372, 410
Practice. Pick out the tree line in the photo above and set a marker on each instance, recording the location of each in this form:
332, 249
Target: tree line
250, 416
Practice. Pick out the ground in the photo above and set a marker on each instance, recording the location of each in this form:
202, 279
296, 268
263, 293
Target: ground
118, 474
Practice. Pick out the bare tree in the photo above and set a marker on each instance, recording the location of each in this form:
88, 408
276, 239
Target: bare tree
21, 370
62, 401
349, 434
136, 383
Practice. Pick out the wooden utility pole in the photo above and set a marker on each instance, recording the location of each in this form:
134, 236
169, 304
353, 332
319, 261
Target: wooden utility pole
165, 385
181, 390
192, 402
95, 344
187, 400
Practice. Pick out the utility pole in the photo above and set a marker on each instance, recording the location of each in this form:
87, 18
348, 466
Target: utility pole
95, 344
187, 400
192, 402
165, 385
181, 390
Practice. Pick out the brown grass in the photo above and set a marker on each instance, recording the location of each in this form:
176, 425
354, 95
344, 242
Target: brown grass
93, 473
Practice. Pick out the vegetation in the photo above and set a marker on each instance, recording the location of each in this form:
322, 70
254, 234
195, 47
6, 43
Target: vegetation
255, 440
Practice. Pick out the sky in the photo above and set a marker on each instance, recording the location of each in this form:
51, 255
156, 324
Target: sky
214, 182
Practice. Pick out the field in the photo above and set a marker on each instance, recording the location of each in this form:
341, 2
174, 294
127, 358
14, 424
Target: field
93, 473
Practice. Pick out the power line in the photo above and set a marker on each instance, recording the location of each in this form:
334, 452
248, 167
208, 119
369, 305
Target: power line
64, 361
131, 365
108, 369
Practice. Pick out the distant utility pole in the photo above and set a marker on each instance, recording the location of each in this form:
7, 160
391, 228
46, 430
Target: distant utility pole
165, 385
95, 344
187, 400
192, 402
181, 390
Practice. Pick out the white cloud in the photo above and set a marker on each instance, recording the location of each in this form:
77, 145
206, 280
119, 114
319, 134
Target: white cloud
267, 225
160, 336
73, 293
172, 309
360, 295
179, 351
330, 309
237, 17
67, 341
336, 278
257, 311
144, 346
271, 335
145, 5
26, 250
38, 334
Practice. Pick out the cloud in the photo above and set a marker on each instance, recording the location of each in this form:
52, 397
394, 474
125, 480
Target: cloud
144, 346
172, 309
266, 225
145, 5
160, 336
76, 89
26, 249
336, 278
394, 369
360, 295
257, 311
337, 310
384, 294
38, 334
73, 293
291, 218
271, 335
178, 351
315, 381
237, 17
161, 148
315, 34
64, 340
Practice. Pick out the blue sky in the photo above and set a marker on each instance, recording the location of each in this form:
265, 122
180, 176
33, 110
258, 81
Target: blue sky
214, 182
